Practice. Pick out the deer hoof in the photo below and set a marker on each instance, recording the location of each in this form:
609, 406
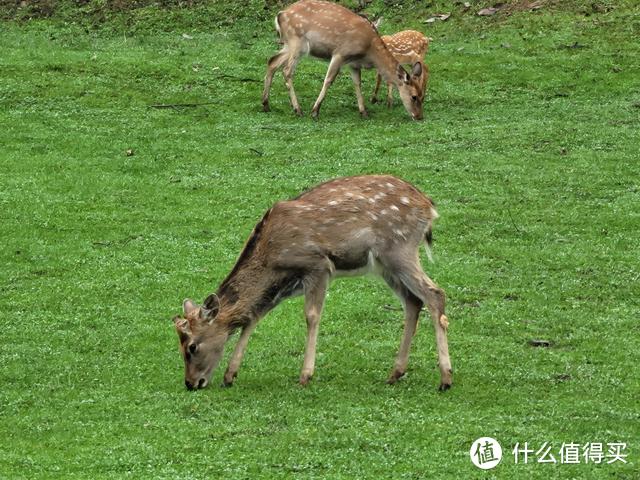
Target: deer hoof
298, 112
364, 114
266, 107
228, 379
444, 387
374, 100
305, 378
394, 377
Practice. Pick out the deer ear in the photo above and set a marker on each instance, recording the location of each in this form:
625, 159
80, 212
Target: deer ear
416, 71
402, 74
210, 307
182, 324
188, 306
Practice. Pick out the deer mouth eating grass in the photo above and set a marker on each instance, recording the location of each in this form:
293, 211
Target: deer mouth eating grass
347, 226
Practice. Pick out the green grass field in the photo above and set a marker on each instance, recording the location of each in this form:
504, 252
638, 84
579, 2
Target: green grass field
530, 148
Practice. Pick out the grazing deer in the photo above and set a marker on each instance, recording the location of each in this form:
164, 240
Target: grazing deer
347, 226
408, 47
332, 32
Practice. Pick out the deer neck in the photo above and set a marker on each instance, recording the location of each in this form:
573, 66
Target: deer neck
252, 291
385, 62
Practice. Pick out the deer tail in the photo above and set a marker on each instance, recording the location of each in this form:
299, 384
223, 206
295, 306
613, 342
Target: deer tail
428, 236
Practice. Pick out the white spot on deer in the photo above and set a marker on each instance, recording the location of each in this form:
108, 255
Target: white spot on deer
362, 233
371, 200
380, 195
394, 208
399, 233
333, 202
390, 186
384, 211
404, 200
372, 215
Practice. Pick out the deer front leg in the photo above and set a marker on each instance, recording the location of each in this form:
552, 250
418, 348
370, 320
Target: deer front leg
357, 80
374, 97
313, 303
389, 95
333, 70
238, 353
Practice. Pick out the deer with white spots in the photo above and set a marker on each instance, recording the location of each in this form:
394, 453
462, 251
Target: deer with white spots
347, 226
408, 47
332, 32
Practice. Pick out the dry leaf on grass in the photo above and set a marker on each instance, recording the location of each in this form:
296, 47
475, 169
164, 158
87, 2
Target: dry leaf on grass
486, 12
439, 16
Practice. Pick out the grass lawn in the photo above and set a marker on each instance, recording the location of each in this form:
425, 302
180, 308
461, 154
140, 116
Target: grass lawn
530, 148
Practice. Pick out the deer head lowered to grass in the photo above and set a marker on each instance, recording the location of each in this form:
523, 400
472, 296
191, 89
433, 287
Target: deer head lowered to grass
347, 226
408, 47
332, 32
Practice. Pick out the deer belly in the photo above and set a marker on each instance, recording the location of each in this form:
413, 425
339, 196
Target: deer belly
318, 46
351, 265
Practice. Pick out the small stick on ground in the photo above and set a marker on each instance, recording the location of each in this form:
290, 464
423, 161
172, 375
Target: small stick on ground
179, 105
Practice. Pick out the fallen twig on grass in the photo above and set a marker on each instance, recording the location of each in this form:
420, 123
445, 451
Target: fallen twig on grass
179, 105
238, 79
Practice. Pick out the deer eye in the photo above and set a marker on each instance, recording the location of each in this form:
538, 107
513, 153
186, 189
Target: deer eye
414, 98
193, 347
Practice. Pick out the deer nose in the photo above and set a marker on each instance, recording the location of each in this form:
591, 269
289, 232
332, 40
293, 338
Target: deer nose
202, 383
188, 384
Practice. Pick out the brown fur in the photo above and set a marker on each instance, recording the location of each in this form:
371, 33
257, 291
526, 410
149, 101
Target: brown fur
347, 226
332, 32
407, 47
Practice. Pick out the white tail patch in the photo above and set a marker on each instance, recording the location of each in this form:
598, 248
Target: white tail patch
429, 252
278, 26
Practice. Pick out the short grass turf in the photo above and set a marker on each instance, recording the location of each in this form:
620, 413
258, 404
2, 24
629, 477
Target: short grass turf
529, 148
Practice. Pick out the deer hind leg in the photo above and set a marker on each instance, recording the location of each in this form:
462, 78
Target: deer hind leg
374, 96
412, 306
357, 82
238, 353
273, 65
294, 48
418, 283
315, 291
334, 68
